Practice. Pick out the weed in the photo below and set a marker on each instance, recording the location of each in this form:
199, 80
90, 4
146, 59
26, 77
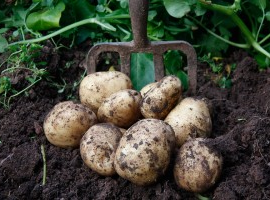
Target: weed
222, 73
22, 60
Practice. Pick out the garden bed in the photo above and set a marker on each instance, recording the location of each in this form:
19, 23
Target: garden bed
241, 128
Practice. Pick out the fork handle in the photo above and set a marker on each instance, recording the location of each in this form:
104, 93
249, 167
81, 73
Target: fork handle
138, 10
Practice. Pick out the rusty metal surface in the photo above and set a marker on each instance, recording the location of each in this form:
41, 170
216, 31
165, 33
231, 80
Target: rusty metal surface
141, 44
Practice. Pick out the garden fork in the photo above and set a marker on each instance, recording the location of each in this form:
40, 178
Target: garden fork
139, 12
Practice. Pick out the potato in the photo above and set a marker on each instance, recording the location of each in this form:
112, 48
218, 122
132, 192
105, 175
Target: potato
161, 99
190, 119
98, 147
121, 108
96, 87
197, 166
66, 123
146, 88
144, 151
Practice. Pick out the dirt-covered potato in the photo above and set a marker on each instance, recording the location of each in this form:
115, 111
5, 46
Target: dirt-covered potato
190, 119
144, 151
96, 87
98, 147
146, 88
161, 98
66, 123
197, 166
121, 108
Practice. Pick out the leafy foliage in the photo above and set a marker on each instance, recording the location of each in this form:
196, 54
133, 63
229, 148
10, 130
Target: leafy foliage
21, 61
45, 19
248, 20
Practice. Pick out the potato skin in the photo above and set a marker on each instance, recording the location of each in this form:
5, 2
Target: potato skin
190, 119
161, 98
96, 87
121, 108
66, 123
144, 151
147, 88
197, 166
98, 146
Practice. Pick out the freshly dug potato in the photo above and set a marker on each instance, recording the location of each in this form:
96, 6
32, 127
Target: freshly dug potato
144, 151
96, 87
98, 147
190, 119
66, 123
197, 166
161, 99
121, 108
146, 88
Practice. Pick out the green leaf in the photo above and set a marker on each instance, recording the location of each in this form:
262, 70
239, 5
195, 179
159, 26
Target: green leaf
262, 61
184, 79
151, 15
83, 9
46, 19
199, 10
172, 62
213, 45
142, 70
260, 3
177, 8
123, 3
267, 15
3, 30
5, 84
84, 33
3, 44
225, 83
156, 30
17, 19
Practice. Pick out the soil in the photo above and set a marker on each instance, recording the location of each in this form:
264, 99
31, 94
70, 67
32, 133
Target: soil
241, 132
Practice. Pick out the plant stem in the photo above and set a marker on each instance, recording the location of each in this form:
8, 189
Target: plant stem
13, 68
261, 24
66, 28
264, 39
231, 12
243, 46
23, 90
44, 164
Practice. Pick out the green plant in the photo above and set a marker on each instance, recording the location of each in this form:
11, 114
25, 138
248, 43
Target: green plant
5, 87
81, 20
21, 61
241, 19
222, 74
245, 23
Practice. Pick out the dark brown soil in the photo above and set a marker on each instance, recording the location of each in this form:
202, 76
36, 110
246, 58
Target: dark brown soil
241, 131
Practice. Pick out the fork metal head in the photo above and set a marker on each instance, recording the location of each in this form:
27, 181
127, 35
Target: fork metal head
125, 49
138, 13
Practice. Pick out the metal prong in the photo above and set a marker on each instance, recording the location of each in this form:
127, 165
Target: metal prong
125, 63
159, 66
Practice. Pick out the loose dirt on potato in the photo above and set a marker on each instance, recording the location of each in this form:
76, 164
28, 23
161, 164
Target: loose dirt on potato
241, 131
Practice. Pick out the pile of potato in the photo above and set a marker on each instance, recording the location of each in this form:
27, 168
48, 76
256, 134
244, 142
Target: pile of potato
138, 134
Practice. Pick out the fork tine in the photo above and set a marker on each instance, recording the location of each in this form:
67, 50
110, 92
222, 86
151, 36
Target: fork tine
91, 65
159, 66
125, 63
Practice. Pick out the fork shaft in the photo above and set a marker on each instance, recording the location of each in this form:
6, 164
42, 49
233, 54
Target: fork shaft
138, 10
